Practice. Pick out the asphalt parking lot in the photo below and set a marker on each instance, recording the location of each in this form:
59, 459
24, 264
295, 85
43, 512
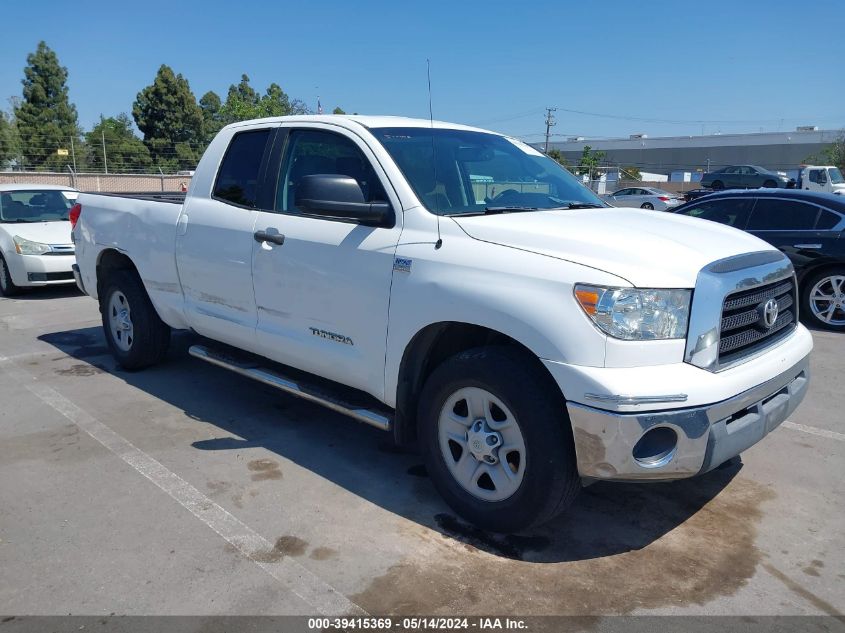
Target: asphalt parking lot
185, 489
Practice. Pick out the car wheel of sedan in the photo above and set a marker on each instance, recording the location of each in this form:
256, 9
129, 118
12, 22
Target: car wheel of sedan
7, 286
717, 185
824, 299
647, 205
770, 184
497, 442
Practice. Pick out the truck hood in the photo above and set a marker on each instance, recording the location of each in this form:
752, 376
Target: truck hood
647, 248
44, 232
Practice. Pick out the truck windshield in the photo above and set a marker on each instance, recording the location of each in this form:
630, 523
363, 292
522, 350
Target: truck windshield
33, 205
459, 172
835, 176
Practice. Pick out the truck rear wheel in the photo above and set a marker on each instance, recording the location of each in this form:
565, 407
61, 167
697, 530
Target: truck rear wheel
134, 332
497, 443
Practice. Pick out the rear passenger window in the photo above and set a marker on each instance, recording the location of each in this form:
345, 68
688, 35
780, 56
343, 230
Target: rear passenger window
733, 212
782, 215
827, 220
237, 180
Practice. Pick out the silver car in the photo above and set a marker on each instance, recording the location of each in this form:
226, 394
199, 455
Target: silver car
644, 198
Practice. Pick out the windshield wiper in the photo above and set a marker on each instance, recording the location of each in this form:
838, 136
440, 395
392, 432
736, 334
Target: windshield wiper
508, 209
581, 205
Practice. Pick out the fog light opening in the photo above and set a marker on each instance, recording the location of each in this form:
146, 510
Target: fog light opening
656, 448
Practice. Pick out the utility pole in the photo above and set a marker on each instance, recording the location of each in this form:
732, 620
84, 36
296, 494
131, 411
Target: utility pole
73, 152
105, 161
550, 121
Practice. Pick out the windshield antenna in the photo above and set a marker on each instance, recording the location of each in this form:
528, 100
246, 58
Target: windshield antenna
439, 242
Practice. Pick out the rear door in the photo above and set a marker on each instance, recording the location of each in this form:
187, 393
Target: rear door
322, 290
802, 230
215, 240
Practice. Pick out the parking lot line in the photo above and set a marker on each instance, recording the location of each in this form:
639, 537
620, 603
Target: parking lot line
831, 435
318, 594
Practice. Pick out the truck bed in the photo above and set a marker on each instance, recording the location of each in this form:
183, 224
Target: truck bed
173, 197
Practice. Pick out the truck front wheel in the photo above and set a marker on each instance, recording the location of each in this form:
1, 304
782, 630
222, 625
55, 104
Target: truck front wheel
134, 332
497, 442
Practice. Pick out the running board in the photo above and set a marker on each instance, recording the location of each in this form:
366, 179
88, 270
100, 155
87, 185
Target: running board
246, 366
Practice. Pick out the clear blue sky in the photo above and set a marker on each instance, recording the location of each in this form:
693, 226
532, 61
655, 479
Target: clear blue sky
686, 66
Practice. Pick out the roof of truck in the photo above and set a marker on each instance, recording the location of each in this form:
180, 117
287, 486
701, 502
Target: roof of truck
368, 121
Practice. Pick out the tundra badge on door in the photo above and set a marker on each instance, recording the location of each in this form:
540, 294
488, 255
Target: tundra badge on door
332, 336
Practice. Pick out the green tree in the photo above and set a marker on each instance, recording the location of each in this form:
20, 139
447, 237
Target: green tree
338, 110
833, 154
8, 144
46, 119
212, 119
243, 103
589, 161
557, 155
124, 152
171, 121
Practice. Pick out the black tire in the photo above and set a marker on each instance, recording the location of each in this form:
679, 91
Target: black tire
150, 335
770, 184
647, 205
550, 480
7, 286
717, 185
838, 316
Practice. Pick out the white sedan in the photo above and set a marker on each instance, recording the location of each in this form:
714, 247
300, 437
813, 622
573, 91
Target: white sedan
644, 198
35, 243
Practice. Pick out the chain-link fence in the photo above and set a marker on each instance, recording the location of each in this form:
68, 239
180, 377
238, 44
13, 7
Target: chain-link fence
107, 183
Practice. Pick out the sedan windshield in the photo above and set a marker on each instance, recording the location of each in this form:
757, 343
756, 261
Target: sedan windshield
461, 172
33, 205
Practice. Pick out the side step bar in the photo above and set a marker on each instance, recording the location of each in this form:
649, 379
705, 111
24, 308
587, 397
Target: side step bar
269, 376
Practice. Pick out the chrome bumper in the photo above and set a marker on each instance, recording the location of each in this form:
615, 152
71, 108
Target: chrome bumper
706, 436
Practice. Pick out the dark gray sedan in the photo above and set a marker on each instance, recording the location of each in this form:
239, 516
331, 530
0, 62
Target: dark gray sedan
744, 177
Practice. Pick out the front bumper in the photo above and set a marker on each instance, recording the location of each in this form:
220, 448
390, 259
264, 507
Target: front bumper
40, 270
706, 436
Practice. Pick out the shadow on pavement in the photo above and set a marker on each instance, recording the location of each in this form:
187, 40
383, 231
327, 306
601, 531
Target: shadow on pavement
606, 519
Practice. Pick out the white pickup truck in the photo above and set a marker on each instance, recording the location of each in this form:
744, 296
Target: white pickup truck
460, 290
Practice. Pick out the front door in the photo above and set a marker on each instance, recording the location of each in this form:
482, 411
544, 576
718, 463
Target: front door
322, 288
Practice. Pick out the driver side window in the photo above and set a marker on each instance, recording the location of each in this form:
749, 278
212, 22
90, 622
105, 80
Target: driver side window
311, 152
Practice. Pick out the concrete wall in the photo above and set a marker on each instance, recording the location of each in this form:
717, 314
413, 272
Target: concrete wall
110, 183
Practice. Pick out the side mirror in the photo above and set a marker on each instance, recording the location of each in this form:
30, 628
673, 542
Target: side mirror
338, 197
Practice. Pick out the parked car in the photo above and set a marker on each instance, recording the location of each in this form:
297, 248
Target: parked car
744, 177
35, 243
821, 178
807, 226
644, 198
525, 341
694, 194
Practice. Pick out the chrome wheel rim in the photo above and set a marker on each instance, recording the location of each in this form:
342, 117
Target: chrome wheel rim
120, 321
827, 300
482, 444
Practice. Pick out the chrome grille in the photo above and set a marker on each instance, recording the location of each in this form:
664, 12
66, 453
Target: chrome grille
743, 327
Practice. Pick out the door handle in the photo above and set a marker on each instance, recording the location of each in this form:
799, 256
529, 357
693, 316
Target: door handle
807, 245
264, 236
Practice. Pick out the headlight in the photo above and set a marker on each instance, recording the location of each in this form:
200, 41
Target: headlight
27, 247
634, 314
